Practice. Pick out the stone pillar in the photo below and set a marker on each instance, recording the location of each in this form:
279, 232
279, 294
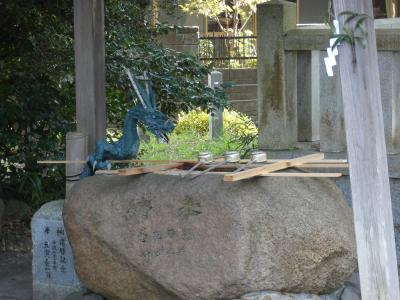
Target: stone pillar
308, 106
76, 149
277, 108
332, 131
53, 271
216, 119
389, 72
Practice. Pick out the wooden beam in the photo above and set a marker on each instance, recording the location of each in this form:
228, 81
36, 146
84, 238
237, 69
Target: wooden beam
332, 166
273, 167
322, 162
368, 170
307, 175
90, 69
144, 170
107, 172
115, 161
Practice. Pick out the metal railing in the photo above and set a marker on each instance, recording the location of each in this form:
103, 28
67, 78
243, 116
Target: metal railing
227, 51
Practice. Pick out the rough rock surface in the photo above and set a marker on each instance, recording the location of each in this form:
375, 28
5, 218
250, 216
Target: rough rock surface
161, 237
349, 291
278, 296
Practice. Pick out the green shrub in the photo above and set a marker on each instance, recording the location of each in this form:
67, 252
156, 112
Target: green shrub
191, 137
197, 121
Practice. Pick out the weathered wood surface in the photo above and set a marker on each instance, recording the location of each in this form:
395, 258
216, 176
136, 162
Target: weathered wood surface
305, 175
144, 170
322, 161
368, 163
392, 8
89, 69
273, 167
310, 38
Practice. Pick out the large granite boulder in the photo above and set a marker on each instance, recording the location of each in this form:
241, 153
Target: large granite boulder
161, 237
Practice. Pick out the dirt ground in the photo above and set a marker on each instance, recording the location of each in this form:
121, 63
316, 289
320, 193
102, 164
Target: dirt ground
15, 253
15, 275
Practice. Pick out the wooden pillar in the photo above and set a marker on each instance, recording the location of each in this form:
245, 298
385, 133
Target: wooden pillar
90, 69
366, 149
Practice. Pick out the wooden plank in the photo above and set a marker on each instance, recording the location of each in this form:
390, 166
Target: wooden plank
107, 172
333, 166
143, 170
311, 175
281, 174
152, 161
287, 174
61, 162
368, 170
114, 161
321, 161
273, 167
90, 69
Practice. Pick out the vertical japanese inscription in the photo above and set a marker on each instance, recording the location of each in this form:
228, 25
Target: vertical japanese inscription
53, 261
163, 240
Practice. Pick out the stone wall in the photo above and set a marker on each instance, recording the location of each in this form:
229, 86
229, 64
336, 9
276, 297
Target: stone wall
243, 93
321, 113
184, 39
297, 100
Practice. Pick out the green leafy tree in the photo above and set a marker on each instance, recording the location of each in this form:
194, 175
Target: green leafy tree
221, 11
37, 94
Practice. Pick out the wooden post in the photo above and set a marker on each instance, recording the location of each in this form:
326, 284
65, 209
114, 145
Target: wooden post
368, 162
76, 150
90, 69
392, 8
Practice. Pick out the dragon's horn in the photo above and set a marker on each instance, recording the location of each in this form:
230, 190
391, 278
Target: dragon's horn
150, 92
136, 87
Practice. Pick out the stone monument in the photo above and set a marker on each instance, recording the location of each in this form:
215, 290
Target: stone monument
53, 270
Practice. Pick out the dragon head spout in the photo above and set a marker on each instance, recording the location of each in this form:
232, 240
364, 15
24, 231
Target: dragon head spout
154, 121
146, 112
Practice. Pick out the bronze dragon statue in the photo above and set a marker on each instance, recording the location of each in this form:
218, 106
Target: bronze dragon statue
127, 147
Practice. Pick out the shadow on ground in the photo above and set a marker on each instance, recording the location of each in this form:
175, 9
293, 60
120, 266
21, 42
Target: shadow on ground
15, 276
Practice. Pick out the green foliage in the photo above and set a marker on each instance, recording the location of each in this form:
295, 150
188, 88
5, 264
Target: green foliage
36, 94
37, 101
195, 121
184, 146
239, 129
178, 78
239, 11
353, 31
